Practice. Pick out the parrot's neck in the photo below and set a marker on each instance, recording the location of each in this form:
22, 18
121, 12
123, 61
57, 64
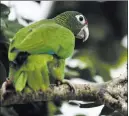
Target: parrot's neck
61, 21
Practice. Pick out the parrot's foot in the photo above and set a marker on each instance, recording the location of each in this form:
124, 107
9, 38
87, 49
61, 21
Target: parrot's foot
72, 88
7, 88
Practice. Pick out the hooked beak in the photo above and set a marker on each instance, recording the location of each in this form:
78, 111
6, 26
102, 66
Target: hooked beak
83, 34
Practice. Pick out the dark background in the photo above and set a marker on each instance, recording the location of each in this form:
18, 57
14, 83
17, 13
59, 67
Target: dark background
100, 53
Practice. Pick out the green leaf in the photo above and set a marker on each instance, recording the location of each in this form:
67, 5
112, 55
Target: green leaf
71, 73
12, 28
93, 63
3, 24
101, 59
122, 57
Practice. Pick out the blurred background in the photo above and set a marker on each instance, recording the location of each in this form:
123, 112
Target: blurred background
102, 57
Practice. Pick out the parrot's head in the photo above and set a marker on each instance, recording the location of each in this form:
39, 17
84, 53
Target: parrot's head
74, 21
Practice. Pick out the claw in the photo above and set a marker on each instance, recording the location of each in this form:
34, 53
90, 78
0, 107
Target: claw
72, 88
7, 87
3, 90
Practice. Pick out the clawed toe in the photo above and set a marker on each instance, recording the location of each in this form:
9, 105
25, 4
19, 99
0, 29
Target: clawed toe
72, 88
7, 88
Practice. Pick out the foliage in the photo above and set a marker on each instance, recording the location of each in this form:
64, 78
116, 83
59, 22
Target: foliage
9, 27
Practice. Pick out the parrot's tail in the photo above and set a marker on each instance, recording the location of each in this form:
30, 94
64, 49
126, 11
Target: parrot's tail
33, 72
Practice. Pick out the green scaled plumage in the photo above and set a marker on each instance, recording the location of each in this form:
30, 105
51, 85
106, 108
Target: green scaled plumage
47, 44
34, 72
42, 39
37, 53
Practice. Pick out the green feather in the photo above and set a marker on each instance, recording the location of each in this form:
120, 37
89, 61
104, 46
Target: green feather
21, 81
44, 39
41, 40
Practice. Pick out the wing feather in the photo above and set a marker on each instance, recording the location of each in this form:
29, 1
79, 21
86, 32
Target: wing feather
47, 38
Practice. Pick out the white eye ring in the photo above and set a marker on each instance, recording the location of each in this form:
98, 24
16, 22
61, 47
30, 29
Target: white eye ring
81, 19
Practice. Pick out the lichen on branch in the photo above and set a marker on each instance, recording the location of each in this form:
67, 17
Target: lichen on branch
112, 94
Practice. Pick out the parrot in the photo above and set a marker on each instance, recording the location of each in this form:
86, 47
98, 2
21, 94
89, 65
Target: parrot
41, 49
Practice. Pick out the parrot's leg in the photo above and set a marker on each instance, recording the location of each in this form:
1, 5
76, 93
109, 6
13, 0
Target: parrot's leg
57, 67
45, 76
59, 70
7, 87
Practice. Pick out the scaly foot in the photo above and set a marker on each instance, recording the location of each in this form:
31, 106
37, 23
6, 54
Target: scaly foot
7, 87
72, 88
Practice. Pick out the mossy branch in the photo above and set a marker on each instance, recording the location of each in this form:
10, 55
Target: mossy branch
112, 94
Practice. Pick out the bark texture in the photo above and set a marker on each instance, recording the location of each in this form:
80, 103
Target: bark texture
112, 94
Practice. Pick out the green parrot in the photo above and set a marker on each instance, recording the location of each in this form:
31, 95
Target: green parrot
40, 50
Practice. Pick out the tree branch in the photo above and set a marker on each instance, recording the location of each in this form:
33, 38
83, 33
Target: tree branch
112, 94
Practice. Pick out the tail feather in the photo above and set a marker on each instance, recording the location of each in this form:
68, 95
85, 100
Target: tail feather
21, 82
33, 73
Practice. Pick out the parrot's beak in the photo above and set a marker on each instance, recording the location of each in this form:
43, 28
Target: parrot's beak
83, 34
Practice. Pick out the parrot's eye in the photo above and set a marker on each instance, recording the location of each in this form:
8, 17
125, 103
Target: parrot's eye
81, 19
